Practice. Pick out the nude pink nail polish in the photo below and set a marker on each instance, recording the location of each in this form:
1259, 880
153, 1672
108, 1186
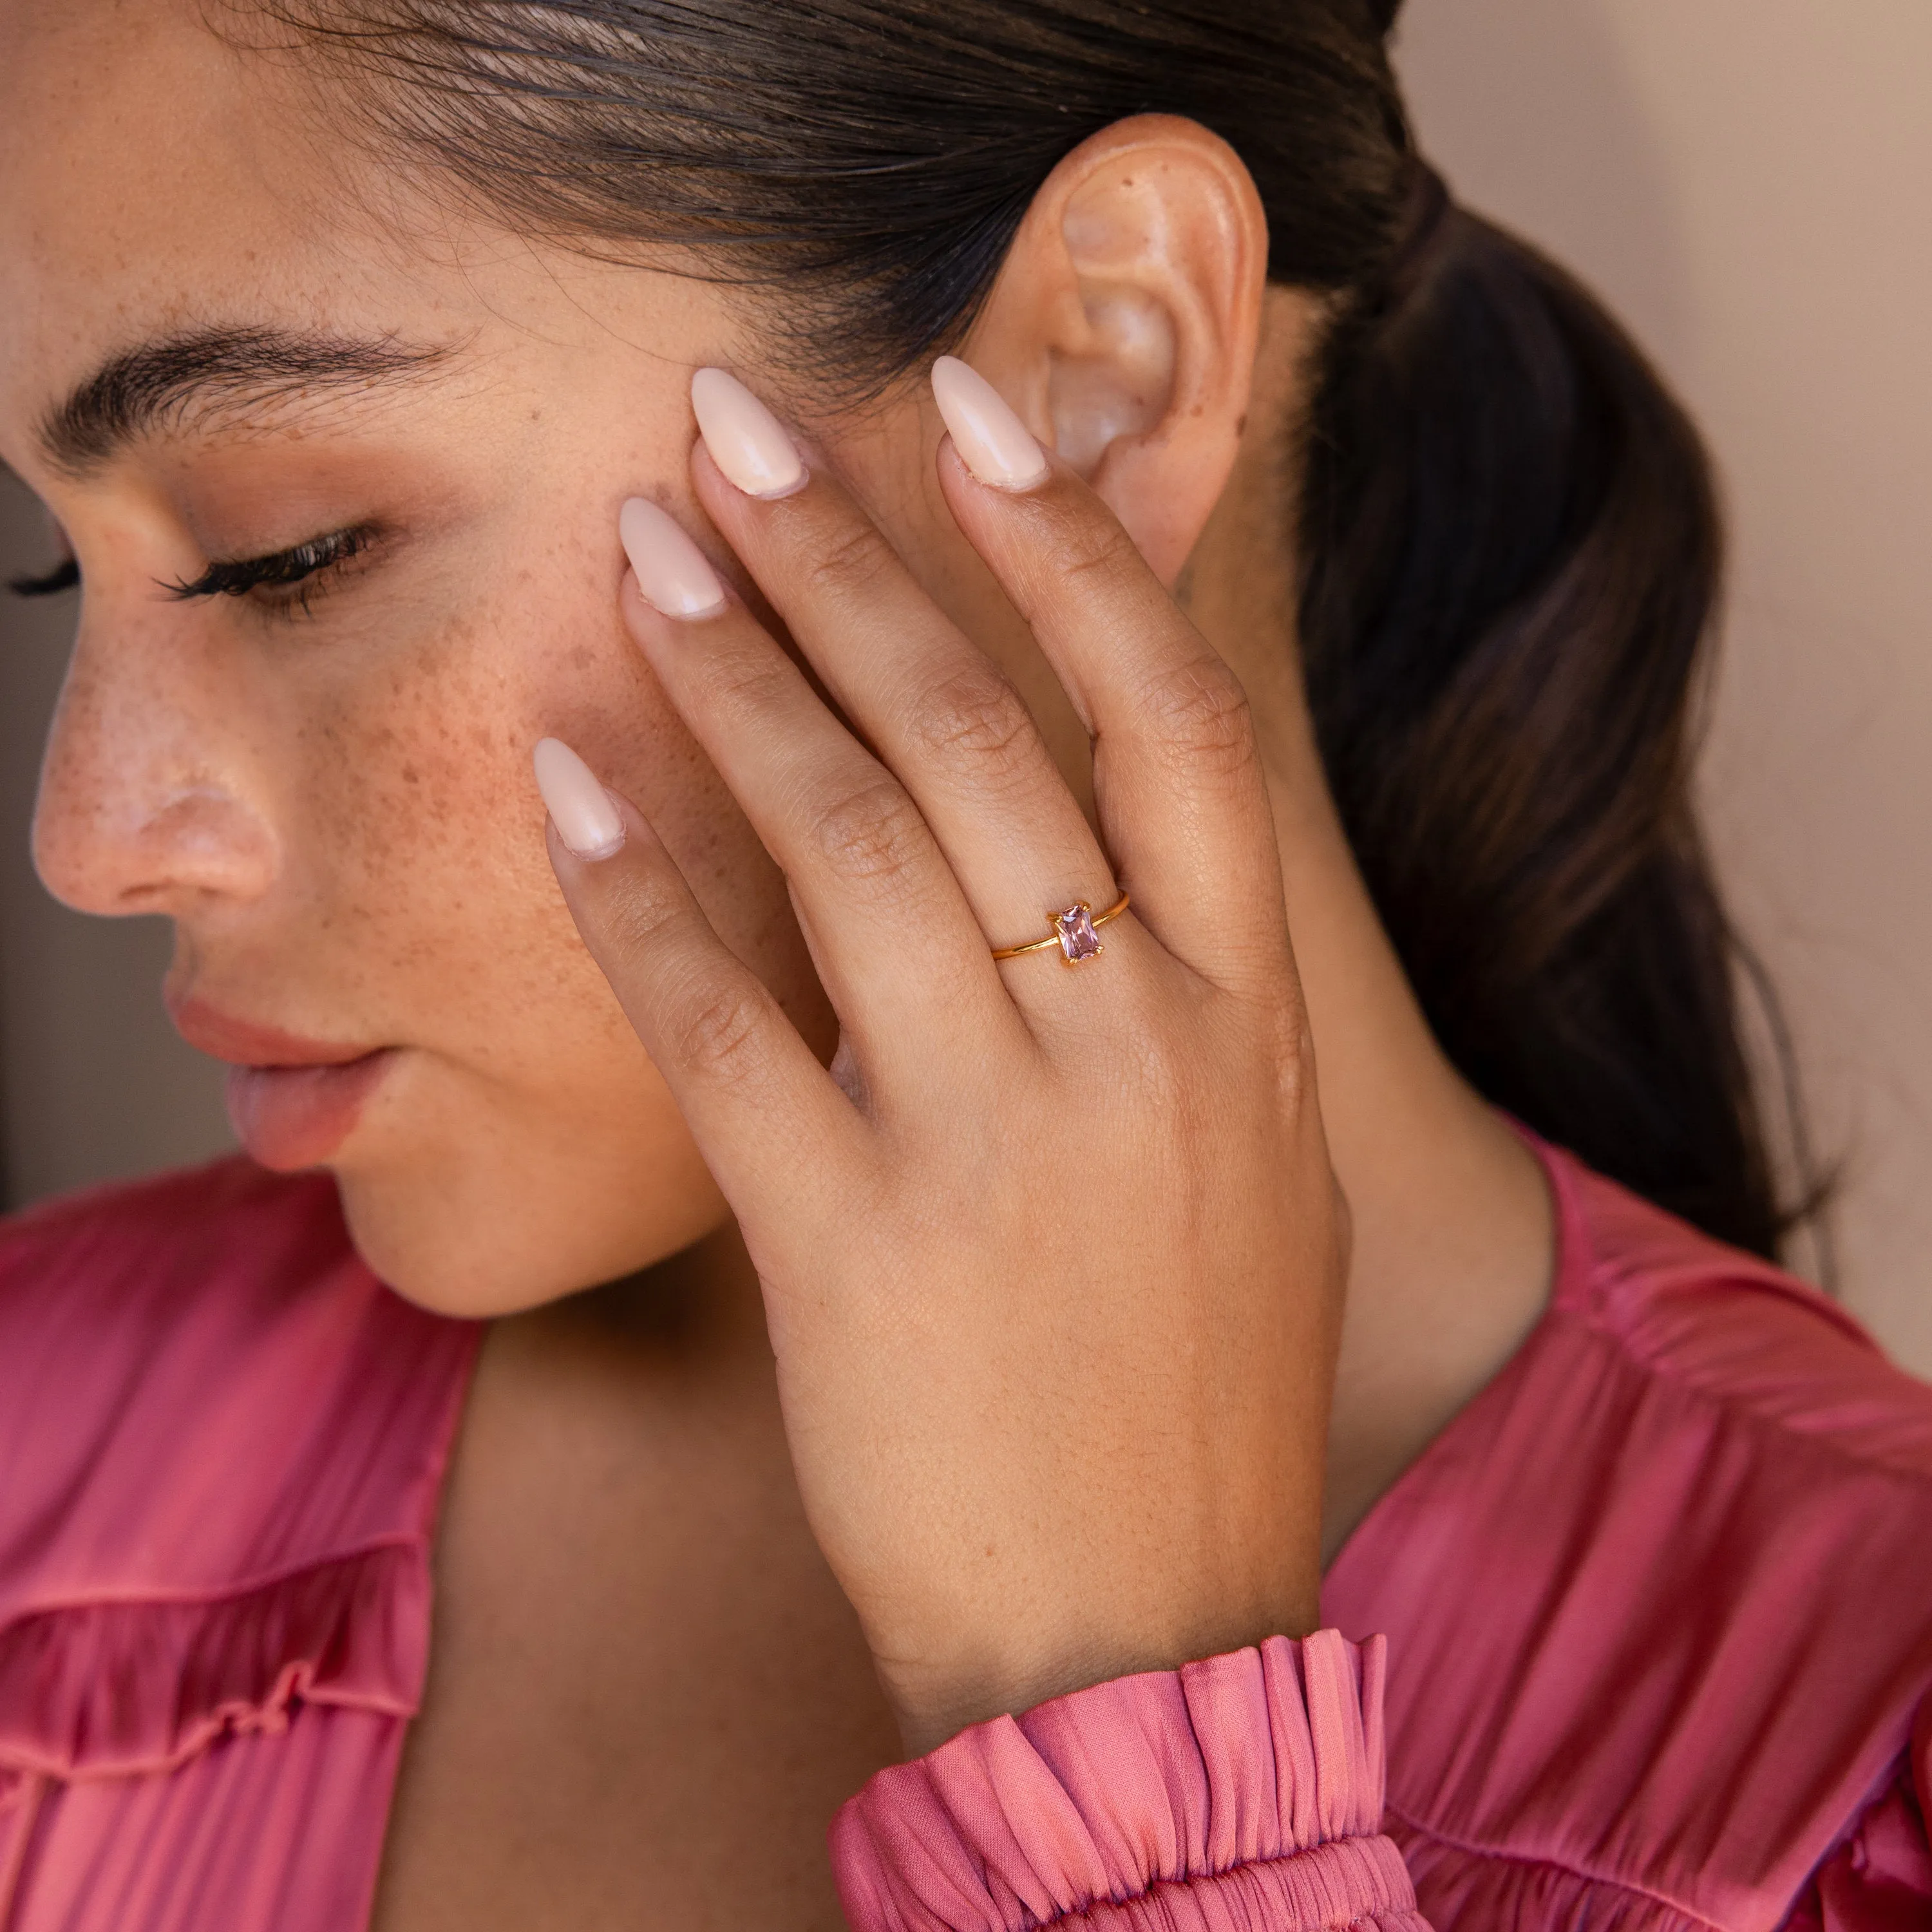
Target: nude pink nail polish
579, 807
991, 440
672, 571
746, 441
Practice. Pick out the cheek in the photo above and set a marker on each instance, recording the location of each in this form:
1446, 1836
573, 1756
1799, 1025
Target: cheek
426, 827
530, 1147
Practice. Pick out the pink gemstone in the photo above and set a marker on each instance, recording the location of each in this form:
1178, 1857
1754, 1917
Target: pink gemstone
1078, 939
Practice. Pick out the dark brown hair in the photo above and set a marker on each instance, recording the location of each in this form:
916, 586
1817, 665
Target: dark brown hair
1508, 544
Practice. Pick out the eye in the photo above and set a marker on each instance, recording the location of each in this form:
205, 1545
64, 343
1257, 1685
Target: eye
65, 575
287, 577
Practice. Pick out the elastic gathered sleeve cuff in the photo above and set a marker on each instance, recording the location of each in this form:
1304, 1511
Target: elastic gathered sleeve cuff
1241, 1794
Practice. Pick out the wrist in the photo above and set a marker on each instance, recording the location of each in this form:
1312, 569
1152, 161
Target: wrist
934, 1699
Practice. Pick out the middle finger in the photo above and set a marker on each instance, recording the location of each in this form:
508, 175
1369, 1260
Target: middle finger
890, 931
936, 708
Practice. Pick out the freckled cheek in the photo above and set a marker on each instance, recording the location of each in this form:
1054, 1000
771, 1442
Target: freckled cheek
428, 830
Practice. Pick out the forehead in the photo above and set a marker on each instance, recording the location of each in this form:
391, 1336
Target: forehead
159, 180
145, 162
155, 179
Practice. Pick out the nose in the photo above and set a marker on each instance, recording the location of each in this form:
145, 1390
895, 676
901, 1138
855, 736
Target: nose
149, 800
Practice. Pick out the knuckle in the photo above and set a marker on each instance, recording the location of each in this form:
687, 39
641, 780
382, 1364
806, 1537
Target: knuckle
1199, 711
739, 685
871, 833
974, 716
1295, 1059
847, 564
638, 908
1086, 546
717, 1033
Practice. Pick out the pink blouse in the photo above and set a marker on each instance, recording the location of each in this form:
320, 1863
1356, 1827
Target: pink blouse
1656, 1613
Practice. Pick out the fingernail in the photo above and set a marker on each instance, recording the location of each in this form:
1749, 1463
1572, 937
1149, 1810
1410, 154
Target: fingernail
991, 440
746, 441
672, 571
579, 807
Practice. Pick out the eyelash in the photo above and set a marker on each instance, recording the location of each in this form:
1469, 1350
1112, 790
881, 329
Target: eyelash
65, 575
294, 570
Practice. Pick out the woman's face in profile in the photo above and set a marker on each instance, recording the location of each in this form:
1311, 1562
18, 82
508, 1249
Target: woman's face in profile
222, 339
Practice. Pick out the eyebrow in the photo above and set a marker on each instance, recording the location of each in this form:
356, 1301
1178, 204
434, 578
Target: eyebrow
168, 384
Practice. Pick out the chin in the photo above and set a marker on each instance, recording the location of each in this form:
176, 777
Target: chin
478, 1235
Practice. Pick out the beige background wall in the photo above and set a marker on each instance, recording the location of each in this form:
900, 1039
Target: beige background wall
1746, 181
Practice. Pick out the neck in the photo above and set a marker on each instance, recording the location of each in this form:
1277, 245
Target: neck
1451, 1256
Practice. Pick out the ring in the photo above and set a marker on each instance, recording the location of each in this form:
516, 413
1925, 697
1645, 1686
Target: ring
1073, 932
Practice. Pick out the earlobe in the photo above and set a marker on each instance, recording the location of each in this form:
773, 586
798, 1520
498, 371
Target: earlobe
1158, 248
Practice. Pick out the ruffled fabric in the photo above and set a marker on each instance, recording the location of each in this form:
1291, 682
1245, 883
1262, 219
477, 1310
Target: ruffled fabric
112, 1689
1241, 1794
1659, 1604
223, 1442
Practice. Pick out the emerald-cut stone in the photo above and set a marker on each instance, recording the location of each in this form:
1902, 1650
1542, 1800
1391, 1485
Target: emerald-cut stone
1074, 928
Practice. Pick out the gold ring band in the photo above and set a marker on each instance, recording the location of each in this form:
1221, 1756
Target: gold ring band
1073, 933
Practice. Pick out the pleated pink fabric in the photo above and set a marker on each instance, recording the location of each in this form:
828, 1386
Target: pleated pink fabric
1236, 1795
1658, 1604
222, 1444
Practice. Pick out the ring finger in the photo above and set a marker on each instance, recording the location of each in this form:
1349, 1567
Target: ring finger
939, 713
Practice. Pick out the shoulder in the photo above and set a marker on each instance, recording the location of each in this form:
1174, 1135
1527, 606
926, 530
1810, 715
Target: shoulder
1745, 1336
1659, 1601
179, 1358
223, 1442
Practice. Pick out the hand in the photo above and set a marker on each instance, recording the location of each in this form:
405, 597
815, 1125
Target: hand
1052, 1256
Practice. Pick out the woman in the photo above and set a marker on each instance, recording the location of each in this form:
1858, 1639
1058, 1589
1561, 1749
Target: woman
806, 1327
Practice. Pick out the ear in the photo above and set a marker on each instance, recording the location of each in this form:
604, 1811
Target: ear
1124, 322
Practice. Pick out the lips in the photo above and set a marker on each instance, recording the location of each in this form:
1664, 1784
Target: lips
292, 1101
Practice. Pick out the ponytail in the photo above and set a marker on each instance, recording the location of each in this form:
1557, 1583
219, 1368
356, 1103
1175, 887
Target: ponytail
1511, 554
